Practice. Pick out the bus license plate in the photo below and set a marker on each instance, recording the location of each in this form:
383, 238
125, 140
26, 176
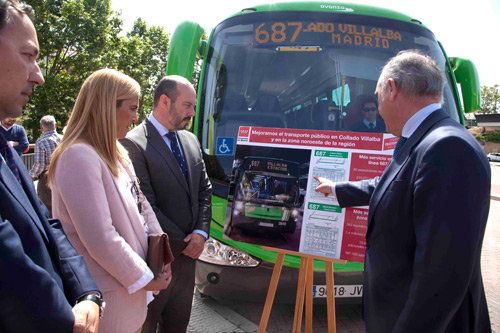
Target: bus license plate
355, 290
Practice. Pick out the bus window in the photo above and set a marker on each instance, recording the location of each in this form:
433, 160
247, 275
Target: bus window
341, 95
260, 70
267, 196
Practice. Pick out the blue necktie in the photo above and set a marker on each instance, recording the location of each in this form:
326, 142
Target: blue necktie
176, 150
399, 145
6, 152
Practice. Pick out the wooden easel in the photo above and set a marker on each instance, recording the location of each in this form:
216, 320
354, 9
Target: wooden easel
305, 286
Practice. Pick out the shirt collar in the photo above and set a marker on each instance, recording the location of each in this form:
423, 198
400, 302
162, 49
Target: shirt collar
49, 133
7, 128
418, 118
159, 127
367, 123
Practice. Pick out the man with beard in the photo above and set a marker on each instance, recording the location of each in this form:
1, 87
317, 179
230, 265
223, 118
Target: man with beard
168, 161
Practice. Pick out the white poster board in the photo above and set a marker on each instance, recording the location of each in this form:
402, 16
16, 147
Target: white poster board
272, 201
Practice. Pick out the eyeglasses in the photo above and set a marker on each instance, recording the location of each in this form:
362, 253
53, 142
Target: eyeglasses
369, 109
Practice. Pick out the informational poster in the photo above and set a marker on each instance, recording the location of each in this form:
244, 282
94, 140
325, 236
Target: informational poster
272, 199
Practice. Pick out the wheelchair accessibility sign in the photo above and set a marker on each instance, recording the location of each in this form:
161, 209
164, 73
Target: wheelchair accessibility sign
225, 146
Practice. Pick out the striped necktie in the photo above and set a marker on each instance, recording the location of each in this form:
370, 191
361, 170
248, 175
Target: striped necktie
8, 156
176, 150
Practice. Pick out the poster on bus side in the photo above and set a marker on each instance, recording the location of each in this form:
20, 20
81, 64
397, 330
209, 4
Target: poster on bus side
272, 201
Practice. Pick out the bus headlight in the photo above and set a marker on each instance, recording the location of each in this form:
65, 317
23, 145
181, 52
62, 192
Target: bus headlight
295, 213
238, 205
217, 253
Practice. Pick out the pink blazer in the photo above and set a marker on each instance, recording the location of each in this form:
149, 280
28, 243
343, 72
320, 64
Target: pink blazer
103, 225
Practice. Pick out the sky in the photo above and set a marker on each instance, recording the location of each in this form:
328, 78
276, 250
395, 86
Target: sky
466, 29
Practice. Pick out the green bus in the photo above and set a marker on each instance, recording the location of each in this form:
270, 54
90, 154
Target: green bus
292, 65
266, 196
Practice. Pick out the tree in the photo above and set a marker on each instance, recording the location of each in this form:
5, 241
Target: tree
73, 37
78, 37
142, 54
490, 99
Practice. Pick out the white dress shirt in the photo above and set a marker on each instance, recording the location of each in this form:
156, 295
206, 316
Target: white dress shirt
163, 132
409, 128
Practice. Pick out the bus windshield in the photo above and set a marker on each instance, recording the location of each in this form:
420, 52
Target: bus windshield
268, 187
305, 70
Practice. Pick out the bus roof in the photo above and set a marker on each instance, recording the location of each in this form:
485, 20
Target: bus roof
330, 7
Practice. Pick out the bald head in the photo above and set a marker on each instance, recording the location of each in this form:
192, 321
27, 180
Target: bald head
168, 86
415, 74
409, 82
174, 103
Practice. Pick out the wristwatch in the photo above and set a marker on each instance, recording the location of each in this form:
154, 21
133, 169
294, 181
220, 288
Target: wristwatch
96, 298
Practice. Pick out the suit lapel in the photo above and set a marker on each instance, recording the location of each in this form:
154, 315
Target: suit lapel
26, 197
156, 141
188, 157
400, 160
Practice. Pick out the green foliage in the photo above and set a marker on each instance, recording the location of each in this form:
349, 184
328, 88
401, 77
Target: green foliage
489, 137
142, 54
76, 38
490, 99
73, 35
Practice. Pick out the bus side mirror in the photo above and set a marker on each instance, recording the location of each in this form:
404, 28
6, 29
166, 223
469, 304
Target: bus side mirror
466, 74
202, 47
184, 45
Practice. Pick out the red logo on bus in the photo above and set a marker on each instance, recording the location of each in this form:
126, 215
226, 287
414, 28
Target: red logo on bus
244, 131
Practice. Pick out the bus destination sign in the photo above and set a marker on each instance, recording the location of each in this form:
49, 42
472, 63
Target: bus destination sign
326, 33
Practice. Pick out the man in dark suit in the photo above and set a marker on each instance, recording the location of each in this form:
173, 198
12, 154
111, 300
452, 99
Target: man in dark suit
427, 212
168, 161
41, 275
371, 121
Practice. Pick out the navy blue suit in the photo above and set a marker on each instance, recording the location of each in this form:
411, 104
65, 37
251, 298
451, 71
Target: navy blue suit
41, 275
426, 222
361, 127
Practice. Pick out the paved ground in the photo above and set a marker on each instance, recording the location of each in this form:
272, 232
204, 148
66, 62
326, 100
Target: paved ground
211, 316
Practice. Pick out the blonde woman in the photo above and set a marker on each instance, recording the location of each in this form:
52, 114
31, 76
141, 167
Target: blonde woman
96, 196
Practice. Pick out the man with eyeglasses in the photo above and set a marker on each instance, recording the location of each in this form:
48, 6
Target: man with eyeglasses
371, 121
44, 284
